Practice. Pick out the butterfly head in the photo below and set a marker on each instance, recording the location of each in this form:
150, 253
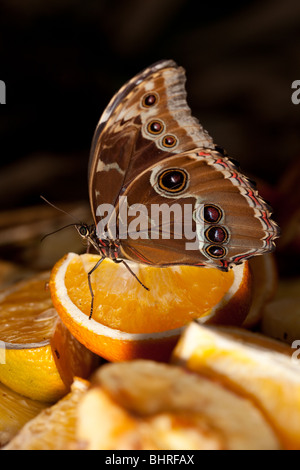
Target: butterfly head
87, 232
83, 230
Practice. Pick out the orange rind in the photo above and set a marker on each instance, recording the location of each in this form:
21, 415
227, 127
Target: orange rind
130, 322
39, 357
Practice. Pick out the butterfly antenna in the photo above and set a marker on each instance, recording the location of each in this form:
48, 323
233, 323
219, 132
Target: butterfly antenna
58, 230
59, 209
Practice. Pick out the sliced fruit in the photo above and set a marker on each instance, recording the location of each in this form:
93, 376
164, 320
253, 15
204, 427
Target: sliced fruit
288, 287
254, 366
41, 357
130, 322
264, 285
54, 428
281, 316
281, 319
151, 406
15, 411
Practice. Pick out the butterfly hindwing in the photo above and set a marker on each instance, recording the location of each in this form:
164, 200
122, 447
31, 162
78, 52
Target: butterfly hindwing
218, 206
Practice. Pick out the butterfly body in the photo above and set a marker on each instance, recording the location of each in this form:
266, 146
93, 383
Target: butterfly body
150, 156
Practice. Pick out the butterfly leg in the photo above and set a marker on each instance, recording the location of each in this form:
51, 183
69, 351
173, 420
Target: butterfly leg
134, 275
90, 285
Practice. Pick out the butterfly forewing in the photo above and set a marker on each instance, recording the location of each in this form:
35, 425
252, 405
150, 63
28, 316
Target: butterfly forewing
124, 143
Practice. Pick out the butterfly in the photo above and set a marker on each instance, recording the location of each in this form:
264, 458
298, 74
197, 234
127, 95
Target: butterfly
148, 152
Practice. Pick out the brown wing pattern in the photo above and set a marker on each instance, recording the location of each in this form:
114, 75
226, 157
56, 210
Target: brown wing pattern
122, 145
214, 181
147, 136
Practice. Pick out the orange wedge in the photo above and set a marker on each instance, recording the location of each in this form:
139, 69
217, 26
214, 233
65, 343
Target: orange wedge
53, 428
38, 355
146, 405
281, 316
255, 366
264, 285
281, 320
130, 322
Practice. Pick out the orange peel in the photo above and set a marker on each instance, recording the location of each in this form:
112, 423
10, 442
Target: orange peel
128, 321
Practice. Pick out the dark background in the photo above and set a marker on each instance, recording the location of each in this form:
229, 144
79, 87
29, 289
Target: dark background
62, 60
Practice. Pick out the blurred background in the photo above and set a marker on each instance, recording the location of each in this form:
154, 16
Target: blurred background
62, 60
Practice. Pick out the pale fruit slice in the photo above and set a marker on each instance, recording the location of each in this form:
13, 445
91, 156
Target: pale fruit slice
252, 365
281, 316
130, 322
147, 405
15, 411
281, 319
39, 357
55, 427
122, 430
264, 285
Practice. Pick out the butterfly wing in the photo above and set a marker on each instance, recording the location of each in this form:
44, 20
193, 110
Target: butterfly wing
216, 218
145, 122
147, 139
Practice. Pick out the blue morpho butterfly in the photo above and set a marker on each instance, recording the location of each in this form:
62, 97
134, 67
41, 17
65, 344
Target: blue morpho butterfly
148, 150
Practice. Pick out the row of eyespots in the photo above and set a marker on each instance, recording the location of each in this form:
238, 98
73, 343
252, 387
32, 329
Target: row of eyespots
174, 181
216, 234
156, 127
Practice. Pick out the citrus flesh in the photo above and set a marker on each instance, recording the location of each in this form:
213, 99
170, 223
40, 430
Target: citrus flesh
22, 311
128, 321
39, 355
170, 289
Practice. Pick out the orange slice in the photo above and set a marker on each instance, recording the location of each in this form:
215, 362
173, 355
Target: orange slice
129, 321
281, 316
146, 405
281, 320
53, 428
38, 355
254, 366
264, 285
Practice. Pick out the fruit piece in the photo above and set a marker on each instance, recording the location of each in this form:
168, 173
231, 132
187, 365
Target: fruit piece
121, 430
15, 411
281, 319
281, 316
264, 284
129, 321
253, 365
147, 405
54, 428
288, 213
288, 287
41, 357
